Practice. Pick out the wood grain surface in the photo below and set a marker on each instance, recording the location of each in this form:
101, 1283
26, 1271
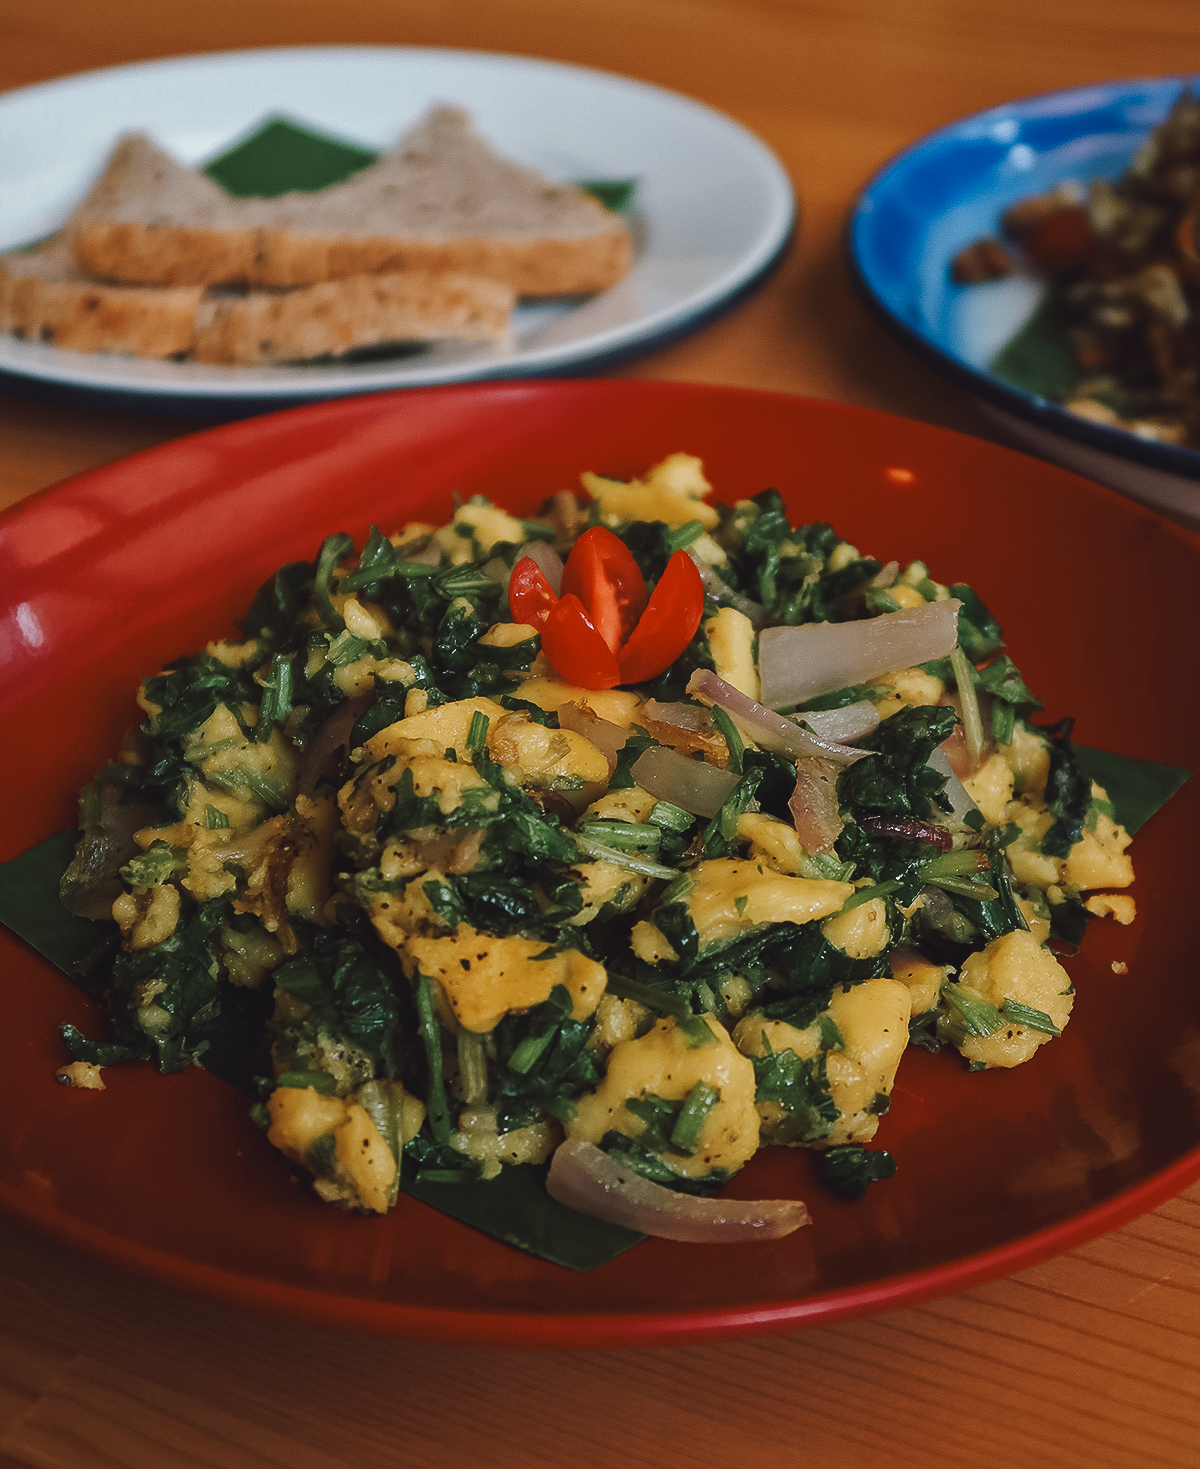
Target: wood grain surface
1089, 1361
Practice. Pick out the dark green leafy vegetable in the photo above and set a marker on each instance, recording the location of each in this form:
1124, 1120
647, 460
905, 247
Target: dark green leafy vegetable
1039, 358
849, 1171
1068, 792
1136, 788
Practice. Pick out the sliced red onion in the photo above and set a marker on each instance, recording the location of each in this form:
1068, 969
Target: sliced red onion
720, 591
766, 728
92, 882
548, 561
608, 738
693, 785
689, 717
961, 802
586, 1179
814, 805
331, 743
798, 663
844, 726
685, 727
909, 830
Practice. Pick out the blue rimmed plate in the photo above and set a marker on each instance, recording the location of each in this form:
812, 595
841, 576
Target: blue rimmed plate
949, 189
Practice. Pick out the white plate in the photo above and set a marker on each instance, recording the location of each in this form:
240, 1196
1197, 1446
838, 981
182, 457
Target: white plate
713, 211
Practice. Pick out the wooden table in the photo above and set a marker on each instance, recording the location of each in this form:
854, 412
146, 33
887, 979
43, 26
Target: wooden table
1090, 1360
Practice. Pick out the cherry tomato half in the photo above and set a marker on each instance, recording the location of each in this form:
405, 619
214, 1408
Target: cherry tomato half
602, 573
530, 595
575, 648
668, 624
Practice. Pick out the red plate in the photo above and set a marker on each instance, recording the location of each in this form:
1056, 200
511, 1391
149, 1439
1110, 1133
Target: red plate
111, 573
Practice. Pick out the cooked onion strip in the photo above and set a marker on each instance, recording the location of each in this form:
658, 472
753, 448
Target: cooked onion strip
961, 802
814, 805
720, 591
690, 718
762, 725
331, 743
608, 738
586, 1179
547, 560
686, 727
693, 785
845, 726
909, 830
799, 663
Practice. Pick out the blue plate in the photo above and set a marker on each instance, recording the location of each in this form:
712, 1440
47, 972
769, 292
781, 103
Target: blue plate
951, 188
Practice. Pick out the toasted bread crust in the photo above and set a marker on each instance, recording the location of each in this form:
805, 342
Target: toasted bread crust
335, 317
174, 255
83, 316
442, 199
43, 299
434, 241
168, 255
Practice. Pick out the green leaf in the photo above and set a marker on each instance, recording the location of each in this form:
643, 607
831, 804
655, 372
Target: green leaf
849, 1170
615, 194
1136, 788
29, 906
516, 1209
1039, 359
284, 155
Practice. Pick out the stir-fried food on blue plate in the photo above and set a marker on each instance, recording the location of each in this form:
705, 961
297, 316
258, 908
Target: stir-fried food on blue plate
1115, 339
634, 838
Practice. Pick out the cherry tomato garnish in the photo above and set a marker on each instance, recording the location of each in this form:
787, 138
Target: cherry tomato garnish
602, 573
529, 593
603, 630
575, 648
667, 625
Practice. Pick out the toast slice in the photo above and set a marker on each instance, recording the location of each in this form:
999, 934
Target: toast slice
44, 297
332, 318
441, 200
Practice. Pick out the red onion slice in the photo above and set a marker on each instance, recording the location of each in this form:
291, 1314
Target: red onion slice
586, 1179
766, 728
686, 727
845, 726
814, 805
689, 717
720, 591
798, 663
909, 830
961, 801
331, 743
608, 738
692, 785
547, 560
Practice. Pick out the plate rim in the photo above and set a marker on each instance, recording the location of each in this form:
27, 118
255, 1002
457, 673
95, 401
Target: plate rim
747, 272
1045, 413
602, 1329
581, 1329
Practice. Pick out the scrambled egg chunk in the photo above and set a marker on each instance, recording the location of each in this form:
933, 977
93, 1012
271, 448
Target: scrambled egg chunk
668, 1062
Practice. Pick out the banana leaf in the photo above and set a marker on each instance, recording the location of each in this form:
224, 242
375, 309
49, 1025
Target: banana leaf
283, 156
